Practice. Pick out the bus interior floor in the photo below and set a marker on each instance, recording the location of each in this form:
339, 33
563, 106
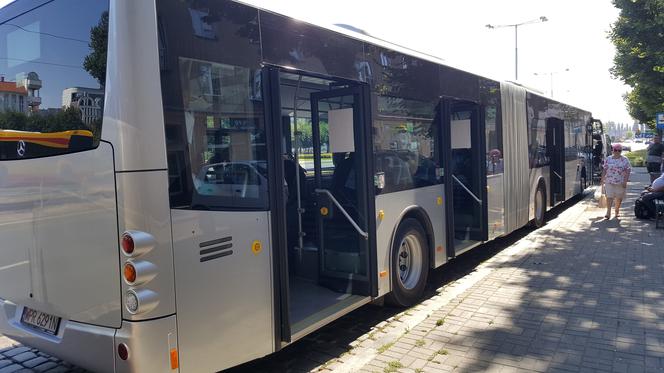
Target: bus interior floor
308, 300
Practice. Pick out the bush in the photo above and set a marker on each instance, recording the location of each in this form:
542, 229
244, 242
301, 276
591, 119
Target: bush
637, 158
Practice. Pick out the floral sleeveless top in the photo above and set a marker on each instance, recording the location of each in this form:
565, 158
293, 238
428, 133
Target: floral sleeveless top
617, 170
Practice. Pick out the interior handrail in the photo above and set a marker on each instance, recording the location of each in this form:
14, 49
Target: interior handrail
343, 211
467, 190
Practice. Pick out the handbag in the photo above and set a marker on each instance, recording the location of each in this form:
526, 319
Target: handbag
600, 195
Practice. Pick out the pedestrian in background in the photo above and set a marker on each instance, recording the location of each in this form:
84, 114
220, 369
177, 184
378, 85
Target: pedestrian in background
655, 157
615, 175
655, 191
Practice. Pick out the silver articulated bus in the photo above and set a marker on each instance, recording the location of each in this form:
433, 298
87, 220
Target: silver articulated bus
193, 184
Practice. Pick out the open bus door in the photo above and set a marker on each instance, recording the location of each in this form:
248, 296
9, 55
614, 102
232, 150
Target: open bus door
322, 205
555, 148
598, 143
465, 182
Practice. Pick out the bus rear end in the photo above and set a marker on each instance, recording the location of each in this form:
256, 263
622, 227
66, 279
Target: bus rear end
64, 200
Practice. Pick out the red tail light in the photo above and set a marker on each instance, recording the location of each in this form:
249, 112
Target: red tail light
127, 244
123, 351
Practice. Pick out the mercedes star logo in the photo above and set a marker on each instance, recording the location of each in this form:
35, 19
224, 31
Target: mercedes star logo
20, 148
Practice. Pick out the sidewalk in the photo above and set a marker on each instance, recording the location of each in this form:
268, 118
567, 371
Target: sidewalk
580, 294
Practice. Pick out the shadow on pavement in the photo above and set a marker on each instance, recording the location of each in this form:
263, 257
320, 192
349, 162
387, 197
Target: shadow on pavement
334, 340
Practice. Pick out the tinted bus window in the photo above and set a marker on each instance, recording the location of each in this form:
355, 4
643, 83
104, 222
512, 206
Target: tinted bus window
213, 108
404, 151
52, 72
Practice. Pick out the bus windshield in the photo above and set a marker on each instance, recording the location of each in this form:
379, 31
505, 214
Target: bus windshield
52, 72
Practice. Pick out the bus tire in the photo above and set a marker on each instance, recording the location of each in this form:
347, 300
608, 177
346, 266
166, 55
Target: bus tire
410, 264
540, 206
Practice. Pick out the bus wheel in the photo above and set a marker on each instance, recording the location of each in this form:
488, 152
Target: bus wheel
540, 207
410, 264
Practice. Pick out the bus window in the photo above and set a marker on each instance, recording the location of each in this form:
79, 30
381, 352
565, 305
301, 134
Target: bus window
218, 129
404, 151
52, 77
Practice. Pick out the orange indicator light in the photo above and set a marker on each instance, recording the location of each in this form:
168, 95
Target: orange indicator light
129, 273
174, 358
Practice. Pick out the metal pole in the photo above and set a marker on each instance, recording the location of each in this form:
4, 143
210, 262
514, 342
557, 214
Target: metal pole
516, 53
551, 83
300, 211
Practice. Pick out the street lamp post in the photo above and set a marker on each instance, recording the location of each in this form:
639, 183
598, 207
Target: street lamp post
550, 74
516, 39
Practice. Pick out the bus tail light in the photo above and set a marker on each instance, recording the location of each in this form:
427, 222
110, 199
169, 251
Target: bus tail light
140, 300
136, 243
123, 351
127, 243
138, 272
129, 273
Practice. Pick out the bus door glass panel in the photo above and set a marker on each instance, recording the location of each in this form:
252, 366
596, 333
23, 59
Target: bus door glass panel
466, 176
555, 145
340, 190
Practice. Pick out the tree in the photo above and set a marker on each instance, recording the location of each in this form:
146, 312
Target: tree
638, 35
95, 62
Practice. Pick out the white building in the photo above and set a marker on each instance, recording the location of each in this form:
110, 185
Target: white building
89, 100
32, 84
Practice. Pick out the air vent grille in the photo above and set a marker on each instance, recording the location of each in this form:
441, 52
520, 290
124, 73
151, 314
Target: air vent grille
216, 249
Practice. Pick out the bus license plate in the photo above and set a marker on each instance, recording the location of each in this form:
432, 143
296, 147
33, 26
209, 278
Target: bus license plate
41, 321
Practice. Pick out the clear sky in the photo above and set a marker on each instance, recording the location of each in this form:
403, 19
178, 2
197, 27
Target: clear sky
574, 38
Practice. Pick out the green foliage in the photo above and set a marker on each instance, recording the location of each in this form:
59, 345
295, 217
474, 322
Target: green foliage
385, 347
306, 139
636, 158
62, 120
393, 366
95, 62
638, 35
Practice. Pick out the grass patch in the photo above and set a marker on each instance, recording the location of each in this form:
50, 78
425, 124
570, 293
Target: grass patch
393, 366
443, 352
440, 322
419, 343
385, 347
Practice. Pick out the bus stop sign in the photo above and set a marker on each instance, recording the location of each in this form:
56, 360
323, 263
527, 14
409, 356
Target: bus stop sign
659, 118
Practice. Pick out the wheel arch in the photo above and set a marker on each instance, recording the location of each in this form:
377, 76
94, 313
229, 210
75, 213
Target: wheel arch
418, 213
539, 183
545, 187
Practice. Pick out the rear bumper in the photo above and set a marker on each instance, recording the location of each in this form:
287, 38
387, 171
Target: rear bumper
93, 347
88, 346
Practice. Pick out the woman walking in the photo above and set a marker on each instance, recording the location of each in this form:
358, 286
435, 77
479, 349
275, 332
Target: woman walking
615, 175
